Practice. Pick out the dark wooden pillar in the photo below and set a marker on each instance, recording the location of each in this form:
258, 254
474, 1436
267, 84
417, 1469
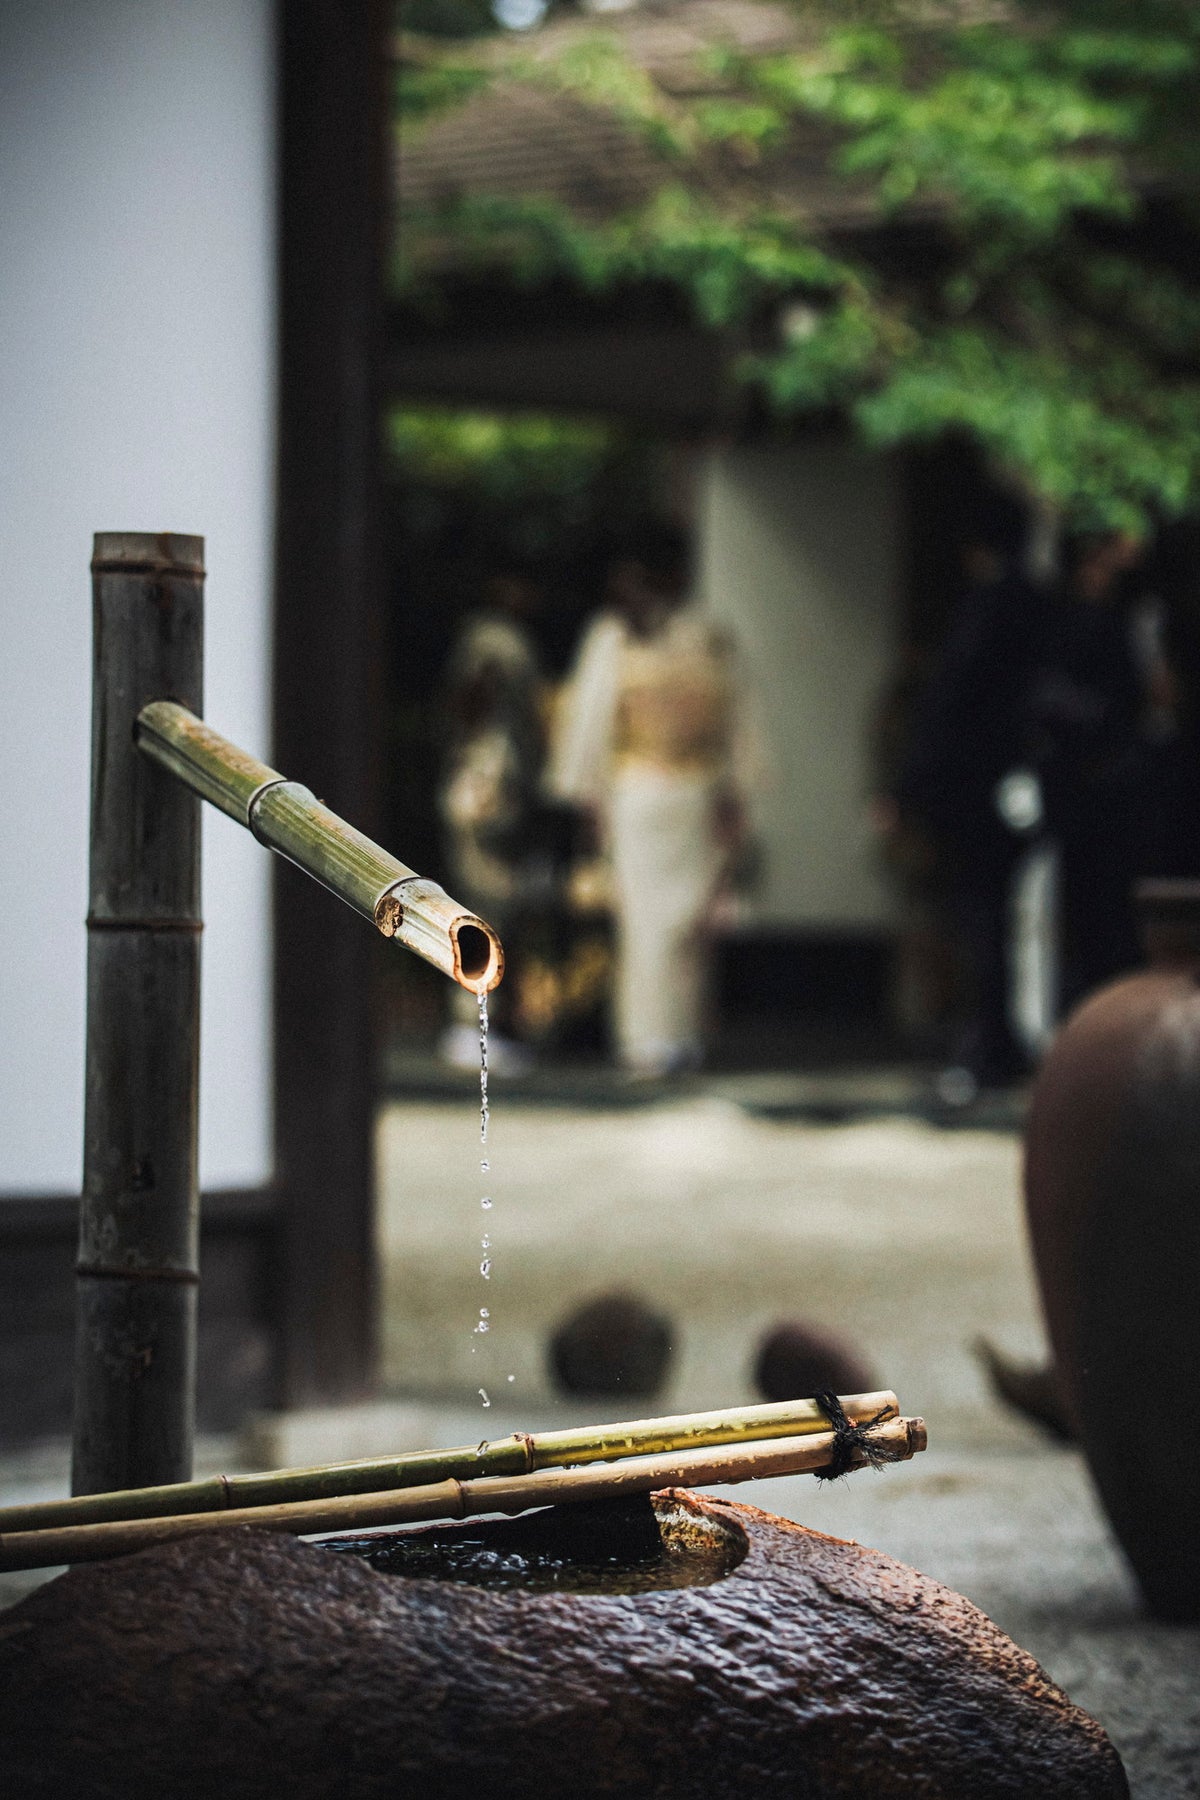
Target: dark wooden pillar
139, 1218
332, 221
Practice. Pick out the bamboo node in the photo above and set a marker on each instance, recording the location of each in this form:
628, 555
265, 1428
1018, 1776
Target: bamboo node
264, 787
389, 914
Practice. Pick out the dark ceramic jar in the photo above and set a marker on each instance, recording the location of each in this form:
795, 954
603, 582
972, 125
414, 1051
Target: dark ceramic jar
1112, 1185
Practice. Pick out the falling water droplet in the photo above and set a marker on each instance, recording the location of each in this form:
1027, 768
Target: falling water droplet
485, 1268
484, 1165
484, 1397
486, 1203
511, 1378
485, 1242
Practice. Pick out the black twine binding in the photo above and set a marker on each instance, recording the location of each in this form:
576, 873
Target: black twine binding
852, 1444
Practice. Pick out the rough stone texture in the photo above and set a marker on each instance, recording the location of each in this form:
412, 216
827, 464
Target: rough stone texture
243, 1665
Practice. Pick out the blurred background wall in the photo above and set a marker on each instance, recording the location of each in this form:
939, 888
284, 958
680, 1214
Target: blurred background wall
137, 317
799, 556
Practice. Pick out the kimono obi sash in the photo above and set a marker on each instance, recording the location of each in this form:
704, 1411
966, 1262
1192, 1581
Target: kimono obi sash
675, 706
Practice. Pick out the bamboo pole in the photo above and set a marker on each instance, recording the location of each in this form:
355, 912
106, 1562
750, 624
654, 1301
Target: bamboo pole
290, 820
895, 1441
137, 1264
520, 1454
784, 1418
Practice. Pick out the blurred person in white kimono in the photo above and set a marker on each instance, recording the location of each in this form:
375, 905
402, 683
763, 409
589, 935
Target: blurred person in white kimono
649, 742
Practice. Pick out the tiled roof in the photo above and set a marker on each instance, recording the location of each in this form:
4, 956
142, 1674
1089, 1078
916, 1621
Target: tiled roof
518, 138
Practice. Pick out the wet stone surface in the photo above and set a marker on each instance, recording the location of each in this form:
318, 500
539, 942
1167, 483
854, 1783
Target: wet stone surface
625, 1548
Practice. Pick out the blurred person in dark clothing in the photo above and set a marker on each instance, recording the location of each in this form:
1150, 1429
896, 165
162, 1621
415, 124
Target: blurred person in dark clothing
1085, 723
925, 984
957, 779
1170, 643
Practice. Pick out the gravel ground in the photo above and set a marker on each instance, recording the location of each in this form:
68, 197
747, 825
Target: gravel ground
903, 1237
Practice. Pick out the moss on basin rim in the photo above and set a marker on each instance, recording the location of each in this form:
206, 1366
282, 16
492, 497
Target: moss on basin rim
247, 1664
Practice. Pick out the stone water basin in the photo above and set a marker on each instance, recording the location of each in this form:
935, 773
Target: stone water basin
683, 1646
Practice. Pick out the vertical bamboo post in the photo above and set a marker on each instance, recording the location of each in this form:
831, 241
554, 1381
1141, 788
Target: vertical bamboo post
137, 1272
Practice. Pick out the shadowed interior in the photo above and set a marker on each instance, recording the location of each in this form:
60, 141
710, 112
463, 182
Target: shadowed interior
475, 951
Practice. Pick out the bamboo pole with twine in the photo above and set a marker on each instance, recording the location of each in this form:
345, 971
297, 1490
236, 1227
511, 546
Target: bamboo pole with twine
521, 1454
893, 1441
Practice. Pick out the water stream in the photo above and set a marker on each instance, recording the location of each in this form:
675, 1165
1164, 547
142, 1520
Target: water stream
485, 1243
483, 1083
484, 1320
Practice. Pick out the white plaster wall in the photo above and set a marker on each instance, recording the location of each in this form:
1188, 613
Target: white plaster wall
798, 555
136, 370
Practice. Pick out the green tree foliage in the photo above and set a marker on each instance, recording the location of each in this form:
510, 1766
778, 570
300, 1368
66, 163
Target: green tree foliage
1046, 161
504, 456
542, 490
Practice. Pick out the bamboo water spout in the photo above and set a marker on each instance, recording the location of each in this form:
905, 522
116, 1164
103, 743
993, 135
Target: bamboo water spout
289, 819
137, 1270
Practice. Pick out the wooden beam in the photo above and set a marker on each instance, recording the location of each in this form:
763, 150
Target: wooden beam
235, 1325
332, 220
666, 375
